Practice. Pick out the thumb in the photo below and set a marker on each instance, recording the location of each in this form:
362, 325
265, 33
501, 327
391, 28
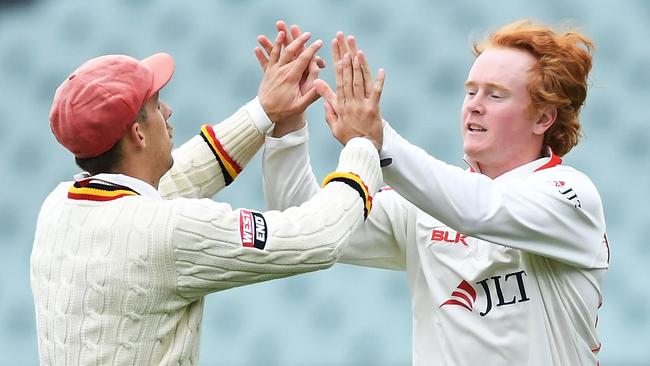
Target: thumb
310, 97
326, 92
330, 114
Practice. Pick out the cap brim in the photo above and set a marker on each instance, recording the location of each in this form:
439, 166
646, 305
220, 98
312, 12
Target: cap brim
162, 65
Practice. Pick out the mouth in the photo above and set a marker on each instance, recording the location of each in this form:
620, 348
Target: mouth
475, 127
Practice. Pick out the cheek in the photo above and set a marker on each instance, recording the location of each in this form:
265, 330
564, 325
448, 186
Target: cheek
463, 107
463, 116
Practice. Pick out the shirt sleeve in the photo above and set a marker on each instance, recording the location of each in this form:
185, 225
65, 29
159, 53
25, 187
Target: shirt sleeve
529, 214
215, 157
380, 242
289, 181
287, 176
216, 248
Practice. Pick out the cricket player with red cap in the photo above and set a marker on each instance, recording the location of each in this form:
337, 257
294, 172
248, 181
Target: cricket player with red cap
124, 254
506, 259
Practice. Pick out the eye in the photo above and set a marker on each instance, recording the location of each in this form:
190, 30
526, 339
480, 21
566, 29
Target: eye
471, 92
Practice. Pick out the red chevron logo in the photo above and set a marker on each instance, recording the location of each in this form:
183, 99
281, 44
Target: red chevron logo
464, 295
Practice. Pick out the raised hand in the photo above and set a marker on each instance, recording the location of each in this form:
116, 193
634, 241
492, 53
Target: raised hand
354, 110
342, 45
305, 85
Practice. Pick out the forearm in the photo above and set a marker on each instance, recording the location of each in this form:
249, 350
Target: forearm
214, 158
301, 239
530, 215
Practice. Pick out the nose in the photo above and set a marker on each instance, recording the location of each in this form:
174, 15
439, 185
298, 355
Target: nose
166, 110
474, 104
167, 113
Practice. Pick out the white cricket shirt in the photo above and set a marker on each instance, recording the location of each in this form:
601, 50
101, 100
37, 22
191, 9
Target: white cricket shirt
501, 272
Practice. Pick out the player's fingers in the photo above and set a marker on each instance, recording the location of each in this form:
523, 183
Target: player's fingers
308, 77
295, 32
265, 44
326, 92
338, 74
351, 43
281, 26
320, 62
274, 56
336, 55
342, 45
261, 58
347, 77
330, 114
378, 87
308, 98
358, 86
301, 64
367, 76
312, 73
293, 47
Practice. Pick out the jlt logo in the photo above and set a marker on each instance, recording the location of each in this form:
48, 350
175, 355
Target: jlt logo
465, 294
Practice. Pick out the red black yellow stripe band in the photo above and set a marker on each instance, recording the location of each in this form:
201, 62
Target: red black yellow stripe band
93, 191
355, 182
228, 165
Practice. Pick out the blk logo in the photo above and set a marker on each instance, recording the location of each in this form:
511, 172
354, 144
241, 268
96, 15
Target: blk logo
465, 295
448, 237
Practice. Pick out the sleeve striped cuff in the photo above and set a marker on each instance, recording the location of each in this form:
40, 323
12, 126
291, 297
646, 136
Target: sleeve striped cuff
355, 182
228, 165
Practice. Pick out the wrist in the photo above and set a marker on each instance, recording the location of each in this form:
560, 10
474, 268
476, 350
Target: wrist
267, 108
288, 125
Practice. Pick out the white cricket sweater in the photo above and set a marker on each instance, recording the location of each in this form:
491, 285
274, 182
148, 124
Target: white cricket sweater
119, 275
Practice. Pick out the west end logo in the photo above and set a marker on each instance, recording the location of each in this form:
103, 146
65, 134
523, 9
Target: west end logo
465, 295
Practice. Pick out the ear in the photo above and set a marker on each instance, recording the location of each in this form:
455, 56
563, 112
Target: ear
545, 120
136, 135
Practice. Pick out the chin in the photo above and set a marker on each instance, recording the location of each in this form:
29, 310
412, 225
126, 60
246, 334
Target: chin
470, 151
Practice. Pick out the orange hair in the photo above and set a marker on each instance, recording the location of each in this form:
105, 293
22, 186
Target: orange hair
558, 79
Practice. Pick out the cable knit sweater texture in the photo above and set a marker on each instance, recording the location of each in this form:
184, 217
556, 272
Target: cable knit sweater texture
122, 282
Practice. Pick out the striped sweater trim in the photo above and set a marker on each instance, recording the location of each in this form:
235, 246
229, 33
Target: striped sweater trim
89, 190
355, 182
228, 165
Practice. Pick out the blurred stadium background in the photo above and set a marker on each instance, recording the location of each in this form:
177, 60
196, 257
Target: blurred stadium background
346, 315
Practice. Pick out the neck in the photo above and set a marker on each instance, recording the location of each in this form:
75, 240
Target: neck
140, 172
494, 169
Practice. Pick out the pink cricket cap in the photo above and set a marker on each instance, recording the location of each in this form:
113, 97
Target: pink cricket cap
94, 107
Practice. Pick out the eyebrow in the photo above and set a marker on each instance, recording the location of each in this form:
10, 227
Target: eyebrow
499, 87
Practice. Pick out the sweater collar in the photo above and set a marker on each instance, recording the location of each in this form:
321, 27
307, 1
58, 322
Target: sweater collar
139, 186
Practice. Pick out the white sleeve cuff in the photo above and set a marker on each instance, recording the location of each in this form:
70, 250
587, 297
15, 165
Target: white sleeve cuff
259, 117
360, 141
359, 156
389, 137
